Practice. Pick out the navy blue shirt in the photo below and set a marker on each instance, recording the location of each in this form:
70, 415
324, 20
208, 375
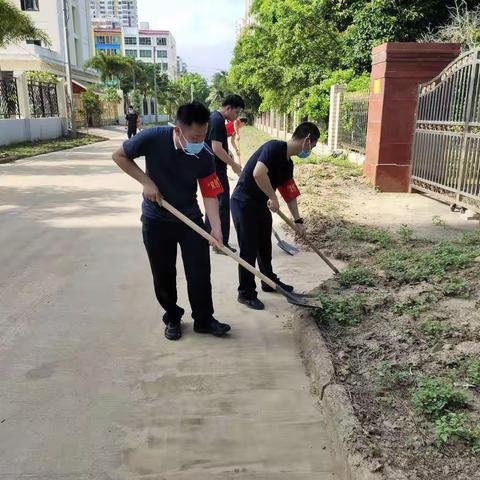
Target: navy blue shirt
174, 172
273, 155
217, 130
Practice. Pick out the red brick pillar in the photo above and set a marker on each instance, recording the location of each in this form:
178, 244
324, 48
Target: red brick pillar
397, 70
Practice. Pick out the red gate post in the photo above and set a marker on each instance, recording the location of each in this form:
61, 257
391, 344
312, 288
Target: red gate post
397, 70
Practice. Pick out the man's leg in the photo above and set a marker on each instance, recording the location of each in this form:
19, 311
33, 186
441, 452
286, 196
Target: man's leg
160, 239
264, 232
224, 200
246, 226
196, 262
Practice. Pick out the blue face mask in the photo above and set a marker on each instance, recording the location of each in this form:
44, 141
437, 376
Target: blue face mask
192, 148
303, 154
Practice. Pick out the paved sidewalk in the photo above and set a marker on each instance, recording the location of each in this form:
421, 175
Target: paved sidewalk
89, 387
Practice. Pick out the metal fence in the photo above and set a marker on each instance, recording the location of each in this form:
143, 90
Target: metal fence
446, 149
354, 121
9, 98
43, 99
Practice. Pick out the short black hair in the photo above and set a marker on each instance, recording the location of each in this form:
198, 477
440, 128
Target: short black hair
305, 129
234, 101
194, 112
244, 119
130, 106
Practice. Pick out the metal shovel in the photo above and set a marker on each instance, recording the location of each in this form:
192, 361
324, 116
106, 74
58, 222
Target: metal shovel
291, 224
292, 298
285, 246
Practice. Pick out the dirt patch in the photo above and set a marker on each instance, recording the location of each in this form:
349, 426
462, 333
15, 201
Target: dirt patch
402, 322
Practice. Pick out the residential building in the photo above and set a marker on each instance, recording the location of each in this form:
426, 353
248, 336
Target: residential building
143, 44
108, 41
123, 12
181, 66
48, 16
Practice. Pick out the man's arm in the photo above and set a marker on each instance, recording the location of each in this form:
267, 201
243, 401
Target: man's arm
220, 153
212, 210
260, 174
150, 190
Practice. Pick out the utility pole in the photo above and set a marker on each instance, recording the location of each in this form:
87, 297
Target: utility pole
155, 82
68, 71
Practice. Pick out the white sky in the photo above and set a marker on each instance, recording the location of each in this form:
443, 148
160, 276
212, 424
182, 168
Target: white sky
205, 30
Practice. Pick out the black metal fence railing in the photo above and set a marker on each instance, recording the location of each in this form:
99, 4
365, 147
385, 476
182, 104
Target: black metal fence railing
9, 98
43, 99
354, 121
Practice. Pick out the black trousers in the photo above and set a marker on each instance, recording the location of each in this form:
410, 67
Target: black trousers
161, 240
131, 131
224, 200
253, 223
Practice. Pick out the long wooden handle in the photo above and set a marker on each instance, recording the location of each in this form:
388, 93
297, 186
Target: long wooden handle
222, 247
308, 242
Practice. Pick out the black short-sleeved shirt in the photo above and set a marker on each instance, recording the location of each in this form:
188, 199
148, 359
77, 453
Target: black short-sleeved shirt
132, 119
273, 155
175, 173
217, 130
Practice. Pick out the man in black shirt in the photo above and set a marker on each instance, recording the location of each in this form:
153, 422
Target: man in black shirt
176, 161
270, 168
132, 122
218, 142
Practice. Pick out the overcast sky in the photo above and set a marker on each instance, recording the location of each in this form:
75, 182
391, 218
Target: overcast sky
205, 30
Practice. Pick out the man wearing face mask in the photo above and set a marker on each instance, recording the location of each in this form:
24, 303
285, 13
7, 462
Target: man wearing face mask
176, 160
132, 120
270, 168
217, 140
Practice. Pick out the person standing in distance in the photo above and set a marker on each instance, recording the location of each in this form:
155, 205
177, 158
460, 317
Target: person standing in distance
176, 161
217, 140
132, 121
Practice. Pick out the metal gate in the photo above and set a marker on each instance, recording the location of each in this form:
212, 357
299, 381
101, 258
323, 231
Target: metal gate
446, 148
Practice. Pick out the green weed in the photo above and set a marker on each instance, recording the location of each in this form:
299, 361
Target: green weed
414, 306
343, 310
371, 235
457, 287
473, 372
454, 426
406, 233
439, 221
389, 375
433, 328
355, 275
434, 396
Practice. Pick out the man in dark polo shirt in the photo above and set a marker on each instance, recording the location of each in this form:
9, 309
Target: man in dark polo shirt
176, 160
132, 119
270, 168
218, 141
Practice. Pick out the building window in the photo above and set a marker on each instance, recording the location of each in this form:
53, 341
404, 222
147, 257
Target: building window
162, 54
161, 41
145, 41
34, 42
131, 53
30, 5
130, 40
164, 67
145, 54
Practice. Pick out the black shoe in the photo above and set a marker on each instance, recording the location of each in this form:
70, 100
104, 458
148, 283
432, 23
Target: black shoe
173, 316
214, 328
253, 303
173, 331
268, 288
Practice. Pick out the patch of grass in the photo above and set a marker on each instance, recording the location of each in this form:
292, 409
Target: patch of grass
471, 238
406, 233
390, 375
343, 310
409, 266
345, 168
433, 328
371, 235
355, 275
414, 306
435, 396
457, 287
439, 221
30, 149
457, 426
472, 369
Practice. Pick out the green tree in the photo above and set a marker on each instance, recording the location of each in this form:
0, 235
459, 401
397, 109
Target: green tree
109, 66
16, 26
91, 107
219, 89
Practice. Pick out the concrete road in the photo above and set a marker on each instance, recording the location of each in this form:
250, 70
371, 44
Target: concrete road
89, 387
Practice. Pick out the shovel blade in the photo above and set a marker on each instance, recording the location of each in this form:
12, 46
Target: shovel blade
286, 247
300, 301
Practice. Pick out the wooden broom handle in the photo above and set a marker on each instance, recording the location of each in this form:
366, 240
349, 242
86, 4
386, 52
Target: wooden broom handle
289, 222
222, 247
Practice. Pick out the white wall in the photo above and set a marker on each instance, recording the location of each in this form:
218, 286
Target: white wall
31, 129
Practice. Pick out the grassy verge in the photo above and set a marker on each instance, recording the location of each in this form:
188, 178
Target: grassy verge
29, 149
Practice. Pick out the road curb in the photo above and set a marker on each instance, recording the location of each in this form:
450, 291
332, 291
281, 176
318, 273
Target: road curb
332, 397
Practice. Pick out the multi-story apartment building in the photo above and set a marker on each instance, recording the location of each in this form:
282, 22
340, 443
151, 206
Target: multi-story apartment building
108, 41
181, 66
122, 12
48, 16
146, 44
